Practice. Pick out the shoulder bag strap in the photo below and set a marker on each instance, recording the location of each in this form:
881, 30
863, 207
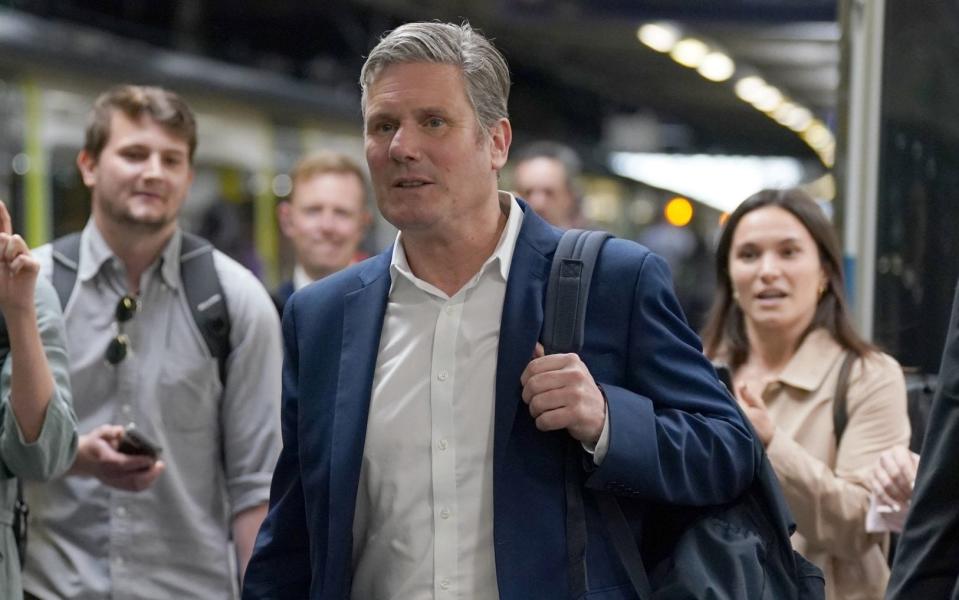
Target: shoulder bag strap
840, 414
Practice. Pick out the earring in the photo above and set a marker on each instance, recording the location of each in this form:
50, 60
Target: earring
822, 288
736, 295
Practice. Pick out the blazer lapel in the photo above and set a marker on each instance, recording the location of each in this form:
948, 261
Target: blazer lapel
521, 322
363, 313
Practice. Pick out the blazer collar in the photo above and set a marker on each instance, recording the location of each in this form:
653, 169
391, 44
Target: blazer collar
522, 320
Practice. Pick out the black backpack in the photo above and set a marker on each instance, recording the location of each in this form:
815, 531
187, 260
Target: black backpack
731, 551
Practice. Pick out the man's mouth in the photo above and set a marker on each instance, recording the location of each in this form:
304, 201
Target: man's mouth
410, 183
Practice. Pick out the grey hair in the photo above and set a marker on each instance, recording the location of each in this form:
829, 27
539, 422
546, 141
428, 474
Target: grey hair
484, 69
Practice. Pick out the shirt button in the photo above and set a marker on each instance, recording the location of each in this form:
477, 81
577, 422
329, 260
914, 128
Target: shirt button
125, 409
118, 560
444, 444
121, 512
445, 513
445, 584
442, 375
449, 309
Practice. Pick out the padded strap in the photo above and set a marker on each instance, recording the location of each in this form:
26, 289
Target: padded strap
564, 322
66, 263
623, 541
840, 412
568, 289
204, 294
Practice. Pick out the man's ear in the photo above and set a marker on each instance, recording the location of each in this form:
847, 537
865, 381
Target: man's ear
501, 136
283, 216
88, 168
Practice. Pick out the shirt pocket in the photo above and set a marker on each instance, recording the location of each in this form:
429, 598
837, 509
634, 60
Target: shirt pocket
188, 392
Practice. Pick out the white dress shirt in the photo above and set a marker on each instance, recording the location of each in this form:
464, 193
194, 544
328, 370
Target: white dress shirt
424, 508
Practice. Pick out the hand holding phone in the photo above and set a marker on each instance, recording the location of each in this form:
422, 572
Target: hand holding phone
134, 442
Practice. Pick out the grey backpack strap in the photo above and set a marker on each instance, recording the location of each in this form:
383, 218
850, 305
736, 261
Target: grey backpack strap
204, 294
564, 322
840, 413
66, 263
568, 289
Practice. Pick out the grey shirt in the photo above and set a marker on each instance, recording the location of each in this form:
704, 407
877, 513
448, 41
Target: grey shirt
52, 452
219, 444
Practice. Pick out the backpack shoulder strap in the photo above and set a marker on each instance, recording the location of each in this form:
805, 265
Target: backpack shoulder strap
840, 413
567, 291
204, 294
66, 263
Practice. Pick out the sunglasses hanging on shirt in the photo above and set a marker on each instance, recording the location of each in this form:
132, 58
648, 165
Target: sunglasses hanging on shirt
119, 346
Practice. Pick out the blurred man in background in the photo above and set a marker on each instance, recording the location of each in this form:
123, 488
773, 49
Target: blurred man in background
545, 176
131, 520
325, 218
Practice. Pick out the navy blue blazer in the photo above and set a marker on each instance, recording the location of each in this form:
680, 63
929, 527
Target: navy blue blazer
676, 435
282, 294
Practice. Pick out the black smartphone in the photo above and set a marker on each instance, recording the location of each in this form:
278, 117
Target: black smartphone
134, 442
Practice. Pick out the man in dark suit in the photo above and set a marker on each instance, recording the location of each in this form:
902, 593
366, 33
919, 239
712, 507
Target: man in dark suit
927, 556
425, 434
325, 218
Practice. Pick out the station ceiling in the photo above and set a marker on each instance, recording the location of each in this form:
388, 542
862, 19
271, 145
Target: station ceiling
577, 64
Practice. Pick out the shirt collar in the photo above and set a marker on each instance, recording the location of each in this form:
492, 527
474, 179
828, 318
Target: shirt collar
812, 361
501, 257
300, 278
95, 252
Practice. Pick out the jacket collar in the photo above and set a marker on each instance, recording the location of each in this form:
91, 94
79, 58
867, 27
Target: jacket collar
812, 361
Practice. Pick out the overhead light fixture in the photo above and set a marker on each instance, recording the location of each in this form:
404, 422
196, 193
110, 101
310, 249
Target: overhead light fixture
661, 37
749, 88
769, 99
689, 52
799, 119
717, 66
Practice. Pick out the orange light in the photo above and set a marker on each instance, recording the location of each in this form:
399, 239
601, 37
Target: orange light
679, 211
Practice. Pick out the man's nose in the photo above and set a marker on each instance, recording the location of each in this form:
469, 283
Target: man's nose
404, 146
154, 166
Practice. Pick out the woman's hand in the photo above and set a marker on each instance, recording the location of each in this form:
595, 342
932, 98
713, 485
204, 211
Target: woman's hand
893, 476
18, 268
755, 409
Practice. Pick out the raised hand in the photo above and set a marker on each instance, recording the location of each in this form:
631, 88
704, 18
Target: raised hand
18, 268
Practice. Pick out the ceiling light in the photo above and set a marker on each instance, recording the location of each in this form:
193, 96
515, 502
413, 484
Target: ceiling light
717, 66
689, 52
783, 112
748, 88
661, 37
768, 99
799, 119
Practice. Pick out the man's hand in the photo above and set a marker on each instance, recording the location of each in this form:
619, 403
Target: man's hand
97, 456
755, 409
561, 394
18, 268
893, 477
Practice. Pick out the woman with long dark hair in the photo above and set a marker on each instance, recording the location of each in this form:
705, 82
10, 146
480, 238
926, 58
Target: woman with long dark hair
781, 324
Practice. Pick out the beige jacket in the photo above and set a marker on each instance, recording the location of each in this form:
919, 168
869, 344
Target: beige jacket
827, 490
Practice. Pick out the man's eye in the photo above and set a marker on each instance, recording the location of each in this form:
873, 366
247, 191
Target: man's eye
435, 122
383, 128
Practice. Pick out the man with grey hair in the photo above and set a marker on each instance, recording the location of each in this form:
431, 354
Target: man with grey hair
429, 444
545, 176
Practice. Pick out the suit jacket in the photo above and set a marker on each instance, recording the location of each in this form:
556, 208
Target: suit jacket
281, 294
927, 557
675, 435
